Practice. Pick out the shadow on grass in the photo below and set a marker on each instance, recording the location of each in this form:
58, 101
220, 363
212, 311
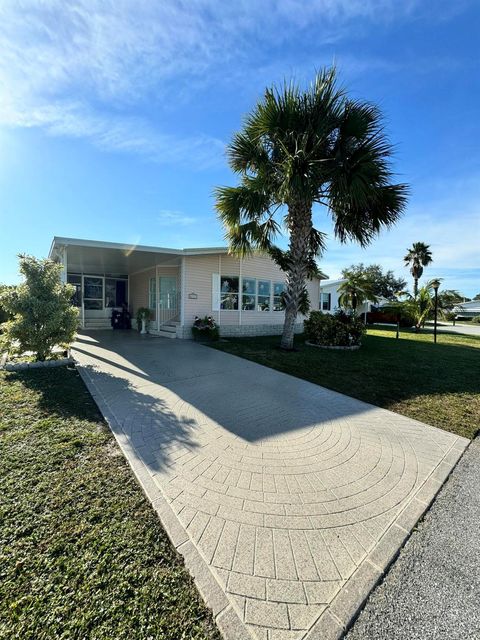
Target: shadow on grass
60, 392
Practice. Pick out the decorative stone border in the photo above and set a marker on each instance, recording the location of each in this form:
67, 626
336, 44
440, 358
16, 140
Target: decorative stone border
21, 366
321, 346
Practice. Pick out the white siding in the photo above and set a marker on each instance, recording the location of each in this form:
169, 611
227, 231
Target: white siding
198, 281
139, 286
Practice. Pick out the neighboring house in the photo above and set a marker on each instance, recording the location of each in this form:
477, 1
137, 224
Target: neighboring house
329, 295
242, 295
467, 309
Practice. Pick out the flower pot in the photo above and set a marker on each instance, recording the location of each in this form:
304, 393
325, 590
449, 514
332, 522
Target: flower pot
144, 326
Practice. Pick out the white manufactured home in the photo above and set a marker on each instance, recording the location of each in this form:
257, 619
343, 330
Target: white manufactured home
243, 295
329, 296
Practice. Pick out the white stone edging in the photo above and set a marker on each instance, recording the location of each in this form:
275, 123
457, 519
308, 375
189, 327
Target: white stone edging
41, 364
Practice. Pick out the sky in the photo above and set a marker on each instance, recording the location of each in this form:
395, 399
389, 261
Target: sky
115, 115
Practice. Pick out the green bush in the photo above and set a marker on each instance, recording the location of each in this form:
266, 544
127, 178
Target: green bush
4, 314
42, 315
339, 330
205, 329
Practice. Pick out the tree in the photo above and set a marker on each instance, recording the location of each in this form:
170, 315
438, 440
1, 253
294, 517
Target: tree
449, 298
477, 297
418, 308
300, 148
4, 315
356, 290
43, 315
382, 284
417, 257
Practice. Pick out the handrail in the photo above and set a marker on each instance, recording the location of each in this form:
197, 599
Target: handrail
168, 306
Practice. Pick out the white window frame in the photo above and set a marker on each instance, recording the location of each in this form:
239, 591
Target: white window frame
284, 285
238, 293
329, 301
250, 295
152, 293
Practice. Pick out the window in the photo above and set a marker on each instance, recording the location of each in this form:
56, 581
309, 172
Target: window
325, 301
249, 290
76, 281
93, 293
115, 292
152, 293
229, 293
263, 295
278, 290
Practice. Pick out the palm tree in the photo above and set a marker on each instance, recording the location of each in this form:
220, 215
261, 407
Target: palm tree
417, 257
354, 292
300, 148
417, 308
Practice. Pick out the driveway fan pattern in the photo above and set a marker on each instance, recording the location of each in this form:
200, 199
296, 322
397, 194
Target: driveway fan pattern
295, 497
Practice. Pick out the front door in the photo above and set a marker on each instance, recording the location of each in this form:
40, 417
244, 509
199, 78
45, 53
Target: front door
168, 302
93, 292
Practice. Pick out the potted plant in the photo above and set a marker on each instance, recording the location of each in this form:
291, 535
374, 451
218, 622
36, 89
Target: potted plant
205, 329
144, 315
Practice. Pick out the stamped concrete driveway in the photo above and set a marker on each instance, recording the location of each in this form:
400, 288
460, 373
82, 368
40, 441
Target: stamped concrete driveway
287, 500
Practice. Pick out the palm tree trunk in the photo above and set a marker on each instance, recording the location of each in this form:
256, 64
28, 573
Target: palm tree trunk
300, 227
415, 288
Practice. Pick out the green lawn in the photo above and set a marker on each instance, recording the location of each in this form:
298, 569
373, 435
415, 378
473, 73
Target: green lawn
82, 553
438, 384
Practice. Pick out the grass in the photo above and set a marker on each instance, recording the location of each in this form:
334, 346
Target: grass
82, 553
437, 384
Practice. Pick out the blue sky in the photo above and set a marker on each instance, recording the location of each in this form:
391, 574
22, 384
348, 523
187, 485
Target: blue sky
114, 116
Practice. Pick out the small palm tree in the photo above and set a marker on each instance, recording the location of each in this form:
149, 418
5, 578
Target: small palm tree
418, 308
417, 257
354, 292
298, 149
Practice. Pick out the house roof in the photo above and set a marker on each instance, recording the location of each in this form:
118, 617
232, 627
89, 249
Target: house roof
89, 256
59, 241
330, 283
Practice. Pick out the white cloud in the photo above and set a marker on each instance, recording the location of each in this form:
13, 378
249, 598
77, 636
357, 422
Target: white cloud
81, 68
170, 218
449, 222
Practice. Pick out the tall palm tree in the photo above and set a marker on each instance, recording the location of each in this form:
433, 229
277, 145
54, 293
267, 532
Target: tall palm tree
354, 292
296, 149
417, 257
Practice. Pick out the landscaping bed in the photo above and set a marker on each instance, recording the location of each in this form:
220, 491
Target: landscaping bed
82, 553
437, 384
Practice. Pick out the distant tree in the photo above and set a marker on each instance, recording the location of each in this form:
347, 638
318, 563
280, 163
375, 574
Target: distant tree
299, 149
477, 297
42, 313
382, 284
354, 292
417, 257
418, 308
448, 298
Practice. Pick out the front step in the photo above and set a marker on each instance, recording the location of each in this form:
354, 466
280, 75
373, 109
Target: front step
168, 330
100, 323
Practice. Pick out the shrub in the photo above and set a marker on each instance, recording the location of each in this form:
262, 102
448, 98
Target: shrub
143, 313
4, 314
42, 313
340, 330
205, 329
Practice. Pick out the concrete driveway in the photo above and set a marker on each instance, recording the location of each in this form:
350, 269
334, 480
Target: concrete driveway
287, 500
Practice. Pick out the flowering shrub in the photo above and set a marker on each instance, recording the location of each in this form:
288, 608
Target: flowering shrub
205, 328
339, 330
